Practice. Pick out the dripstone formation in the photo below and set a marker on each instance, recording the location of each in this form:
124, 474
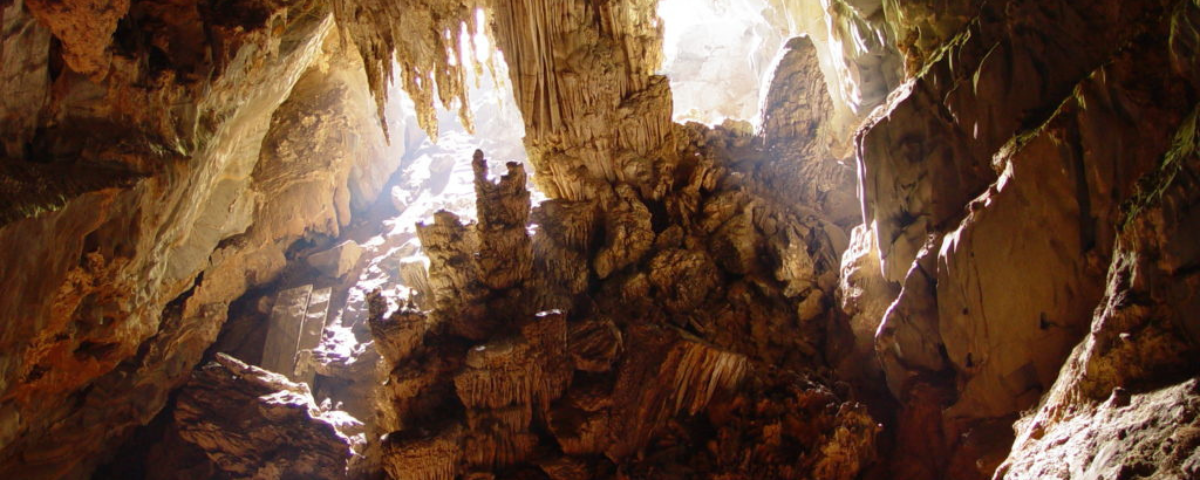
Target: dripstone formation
509, 373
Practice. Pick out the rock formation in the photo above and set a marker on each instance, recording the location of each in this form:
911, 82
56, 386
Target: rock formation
253, 423
1000, 231
123, 278
960, 243
490, 380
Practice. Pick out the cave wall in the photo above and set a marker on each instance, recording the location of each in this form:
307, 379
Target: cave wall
997, 181
153, 142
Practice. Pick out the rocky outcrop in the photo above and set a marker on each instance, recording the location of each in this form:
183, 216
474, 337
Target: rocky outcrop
110, 261
478, 393
856, 48
673, 226
338, 261
963, 194
26, 76
252, 423
1151, 434
1125, 401
691, 301
865, 297
802, 165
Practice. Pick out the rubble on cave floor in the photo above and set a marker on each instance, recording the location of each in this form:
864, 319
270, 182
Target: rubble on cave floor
252, 423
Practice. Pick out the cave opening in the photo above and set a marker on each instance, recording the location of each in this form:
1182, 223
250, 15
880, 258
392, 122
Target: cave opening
718, 55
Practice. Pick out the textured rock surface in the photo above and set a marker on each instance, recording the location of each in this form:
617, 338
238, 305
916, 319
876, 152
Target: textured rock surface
999, 218
856, 49
118, 290
141, 248
337, 261
804, 162
1125, 403
864, 296
255, 424
492, 382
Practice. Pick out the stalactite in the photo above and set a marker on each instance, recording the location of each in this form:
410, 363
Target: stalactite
694, 266
424, 38
434, 456
596, 100
701, 372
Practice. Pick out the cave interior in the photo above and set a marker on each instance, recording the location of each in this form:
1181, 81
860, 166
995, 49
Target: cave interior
600, 239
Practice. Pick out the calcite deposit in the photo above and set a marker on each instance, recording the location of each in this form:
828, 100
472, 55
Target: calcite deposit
930, 239
526, 377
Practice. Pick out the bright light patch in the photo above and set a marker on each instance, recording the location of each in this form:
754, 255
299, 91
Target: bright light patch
718, 54
482, 47
436, 175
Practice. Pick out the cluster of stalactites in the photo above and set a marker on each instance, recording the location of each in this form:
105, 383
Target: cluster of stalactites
582, 73
430, 42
